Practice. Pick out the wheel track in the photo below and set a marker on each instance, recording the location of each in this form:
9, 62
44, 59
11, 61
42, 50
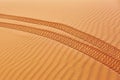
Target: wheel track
105, 47
98, 55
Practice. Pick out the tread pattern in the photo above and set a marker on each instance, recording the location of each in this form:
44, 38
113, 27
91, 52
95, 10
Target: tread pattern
98, 55
103, 46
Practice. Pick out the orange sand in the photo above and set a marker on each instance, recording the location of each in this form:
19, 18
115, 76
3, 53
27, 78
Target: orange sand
27, 56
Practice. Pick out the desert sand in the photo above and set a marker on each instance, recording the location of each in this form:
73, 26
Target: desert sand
59, 40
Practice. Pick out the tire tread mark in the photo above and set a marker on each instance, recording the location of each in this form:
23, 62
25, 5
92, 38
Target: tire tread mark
98, 55
106, 47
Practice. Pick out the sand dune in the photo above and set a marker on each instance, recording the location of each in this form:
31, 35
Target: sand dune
59, 40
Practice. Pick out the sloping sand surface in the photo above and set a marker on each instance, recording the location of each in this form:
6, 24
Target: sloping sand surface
59, 40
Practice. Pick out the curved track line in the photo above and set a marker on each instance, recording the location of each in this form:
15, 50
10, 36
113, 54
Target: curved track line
98, 55
105, 47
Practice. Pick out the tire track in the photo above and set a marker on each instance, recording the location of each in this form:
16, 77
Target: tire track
98, 55
105, 47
